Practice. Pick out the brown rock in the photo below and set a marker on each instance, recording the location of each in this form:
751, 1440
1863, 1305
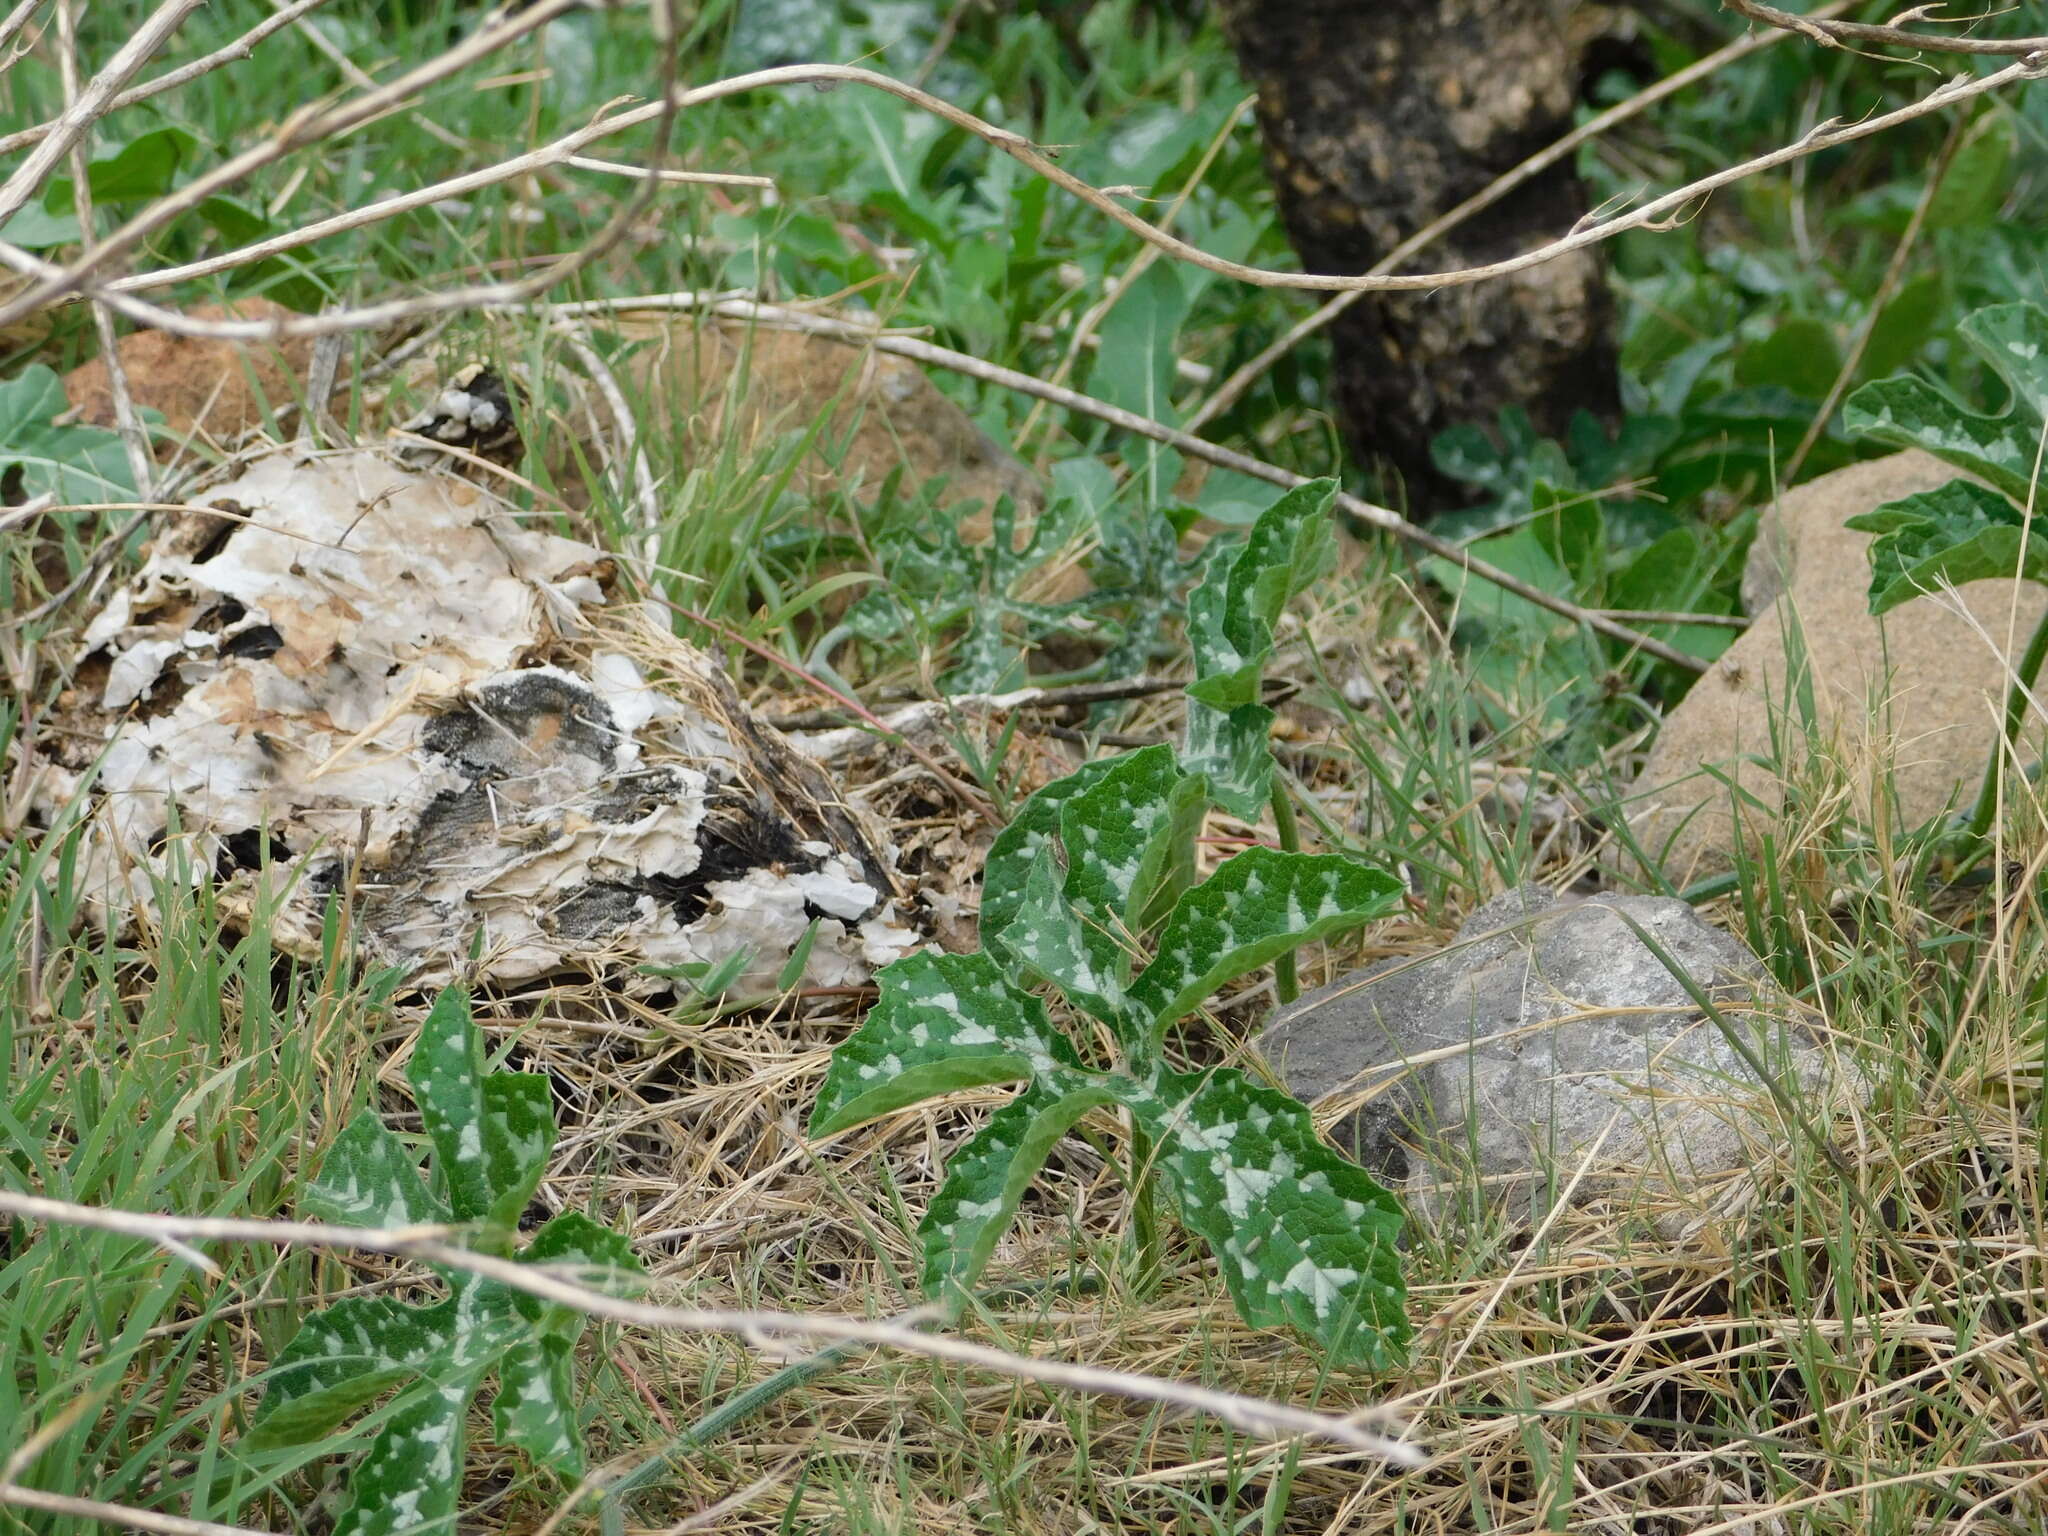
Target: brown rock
1909, 702
206, 389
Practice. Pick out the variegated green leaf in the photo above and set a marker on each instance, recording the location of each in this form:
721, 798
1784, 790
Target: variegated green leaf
944, 1023
1958, 533
351, 1352
1052, 938
986, 1178
1256, 907
1231, 616
2013, 339
370, 1179
1007, 869
519, 1133
536, 1404
578, 1249
411, 1478
1911, 414
446, 1072
1124, 834
1233, 755
1304, 1238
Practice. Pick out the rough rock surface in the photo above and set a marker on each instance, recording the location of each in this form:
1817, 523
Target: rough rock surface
351, 678
1936, 678
1548, 1036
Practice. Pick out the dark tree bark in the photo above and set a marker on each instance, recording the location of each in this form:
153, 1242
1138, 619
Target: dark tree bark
1379, 115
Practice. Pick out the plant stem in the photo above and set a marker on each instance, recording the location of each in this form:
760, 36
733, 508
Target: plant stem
1286, 981
2015, 712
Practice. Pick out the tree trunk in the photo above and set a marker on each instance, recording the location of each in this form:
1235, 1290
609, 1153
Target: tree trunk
1379, 117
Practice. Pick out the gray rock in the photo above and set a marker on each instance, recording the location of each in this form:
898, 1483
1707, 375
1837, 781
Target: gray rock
1548, 1037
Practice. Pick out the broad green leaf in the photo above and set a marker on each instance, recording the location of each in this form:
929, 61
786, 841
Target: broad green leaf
1232, 753
944, 1023
1126, 832
1303, 1237
1909, 413
1961, 532
1905, 325
350, 1352
580, 1250
370, 1179
446, 1072
986, 1178
1007, 868
146, 166
519, 1133
2013, 339
536, 1404
411, 1478
1256, 907
75, 464
1078, 953
1801, 355
1134, 366
1232, 613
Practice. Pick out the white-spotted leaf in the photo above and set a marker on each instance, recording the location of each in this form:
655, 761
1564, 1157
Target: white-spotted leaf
1960, 532
1127, 833
1052, 938
1007, 868
1256, 907
1304, 1238
519, 1133
446, 1071
986, 1178
535, 1406
1231, 752
1909, 413
943, 1023
578, 1249
370, 1179
2013, 339
410, 1480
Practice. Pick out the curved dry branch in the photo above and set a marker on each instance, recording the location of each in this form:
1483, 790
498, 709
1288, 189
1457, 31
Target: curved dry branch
428, 1246
1840, 34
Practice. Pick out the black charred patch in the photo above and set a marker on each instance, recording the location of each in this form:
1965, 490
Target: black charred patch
507, 724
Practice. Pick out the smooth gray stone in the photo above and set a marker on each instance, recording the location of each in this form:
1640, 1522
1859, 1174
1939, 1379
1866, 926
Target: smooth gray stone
1547, 1035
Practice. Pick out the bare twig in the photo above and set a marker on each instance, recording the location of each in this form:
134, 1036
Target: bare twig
52, 282
1198, 448
426, 1245
170, 80
1874, 307
1839, 34
91, 104
124, 1516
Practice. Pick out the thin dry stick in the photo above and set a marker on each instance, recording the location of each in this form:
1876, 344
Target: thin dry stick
1199, 448
1894, 270
121, 1515
1232, 389
170, 80
91, 104
15, 20
1661, 213
424, 1244
1839, 34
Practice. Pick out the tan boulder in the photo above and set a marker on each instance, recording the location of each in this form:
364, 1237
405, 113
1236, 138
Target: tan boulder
1909, 703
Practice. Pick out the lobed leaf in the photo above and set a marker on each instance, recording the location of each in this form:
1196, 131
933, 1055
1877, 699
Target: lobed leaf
1256, 907
2013, 339
586, 1253
354, 1350
1007, 869
446, 1071
1304, 1238
1911, 414
535, 1406
371, 1179
943, 1023
1958, 533
1052, 938
986, 1178
411, 1478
